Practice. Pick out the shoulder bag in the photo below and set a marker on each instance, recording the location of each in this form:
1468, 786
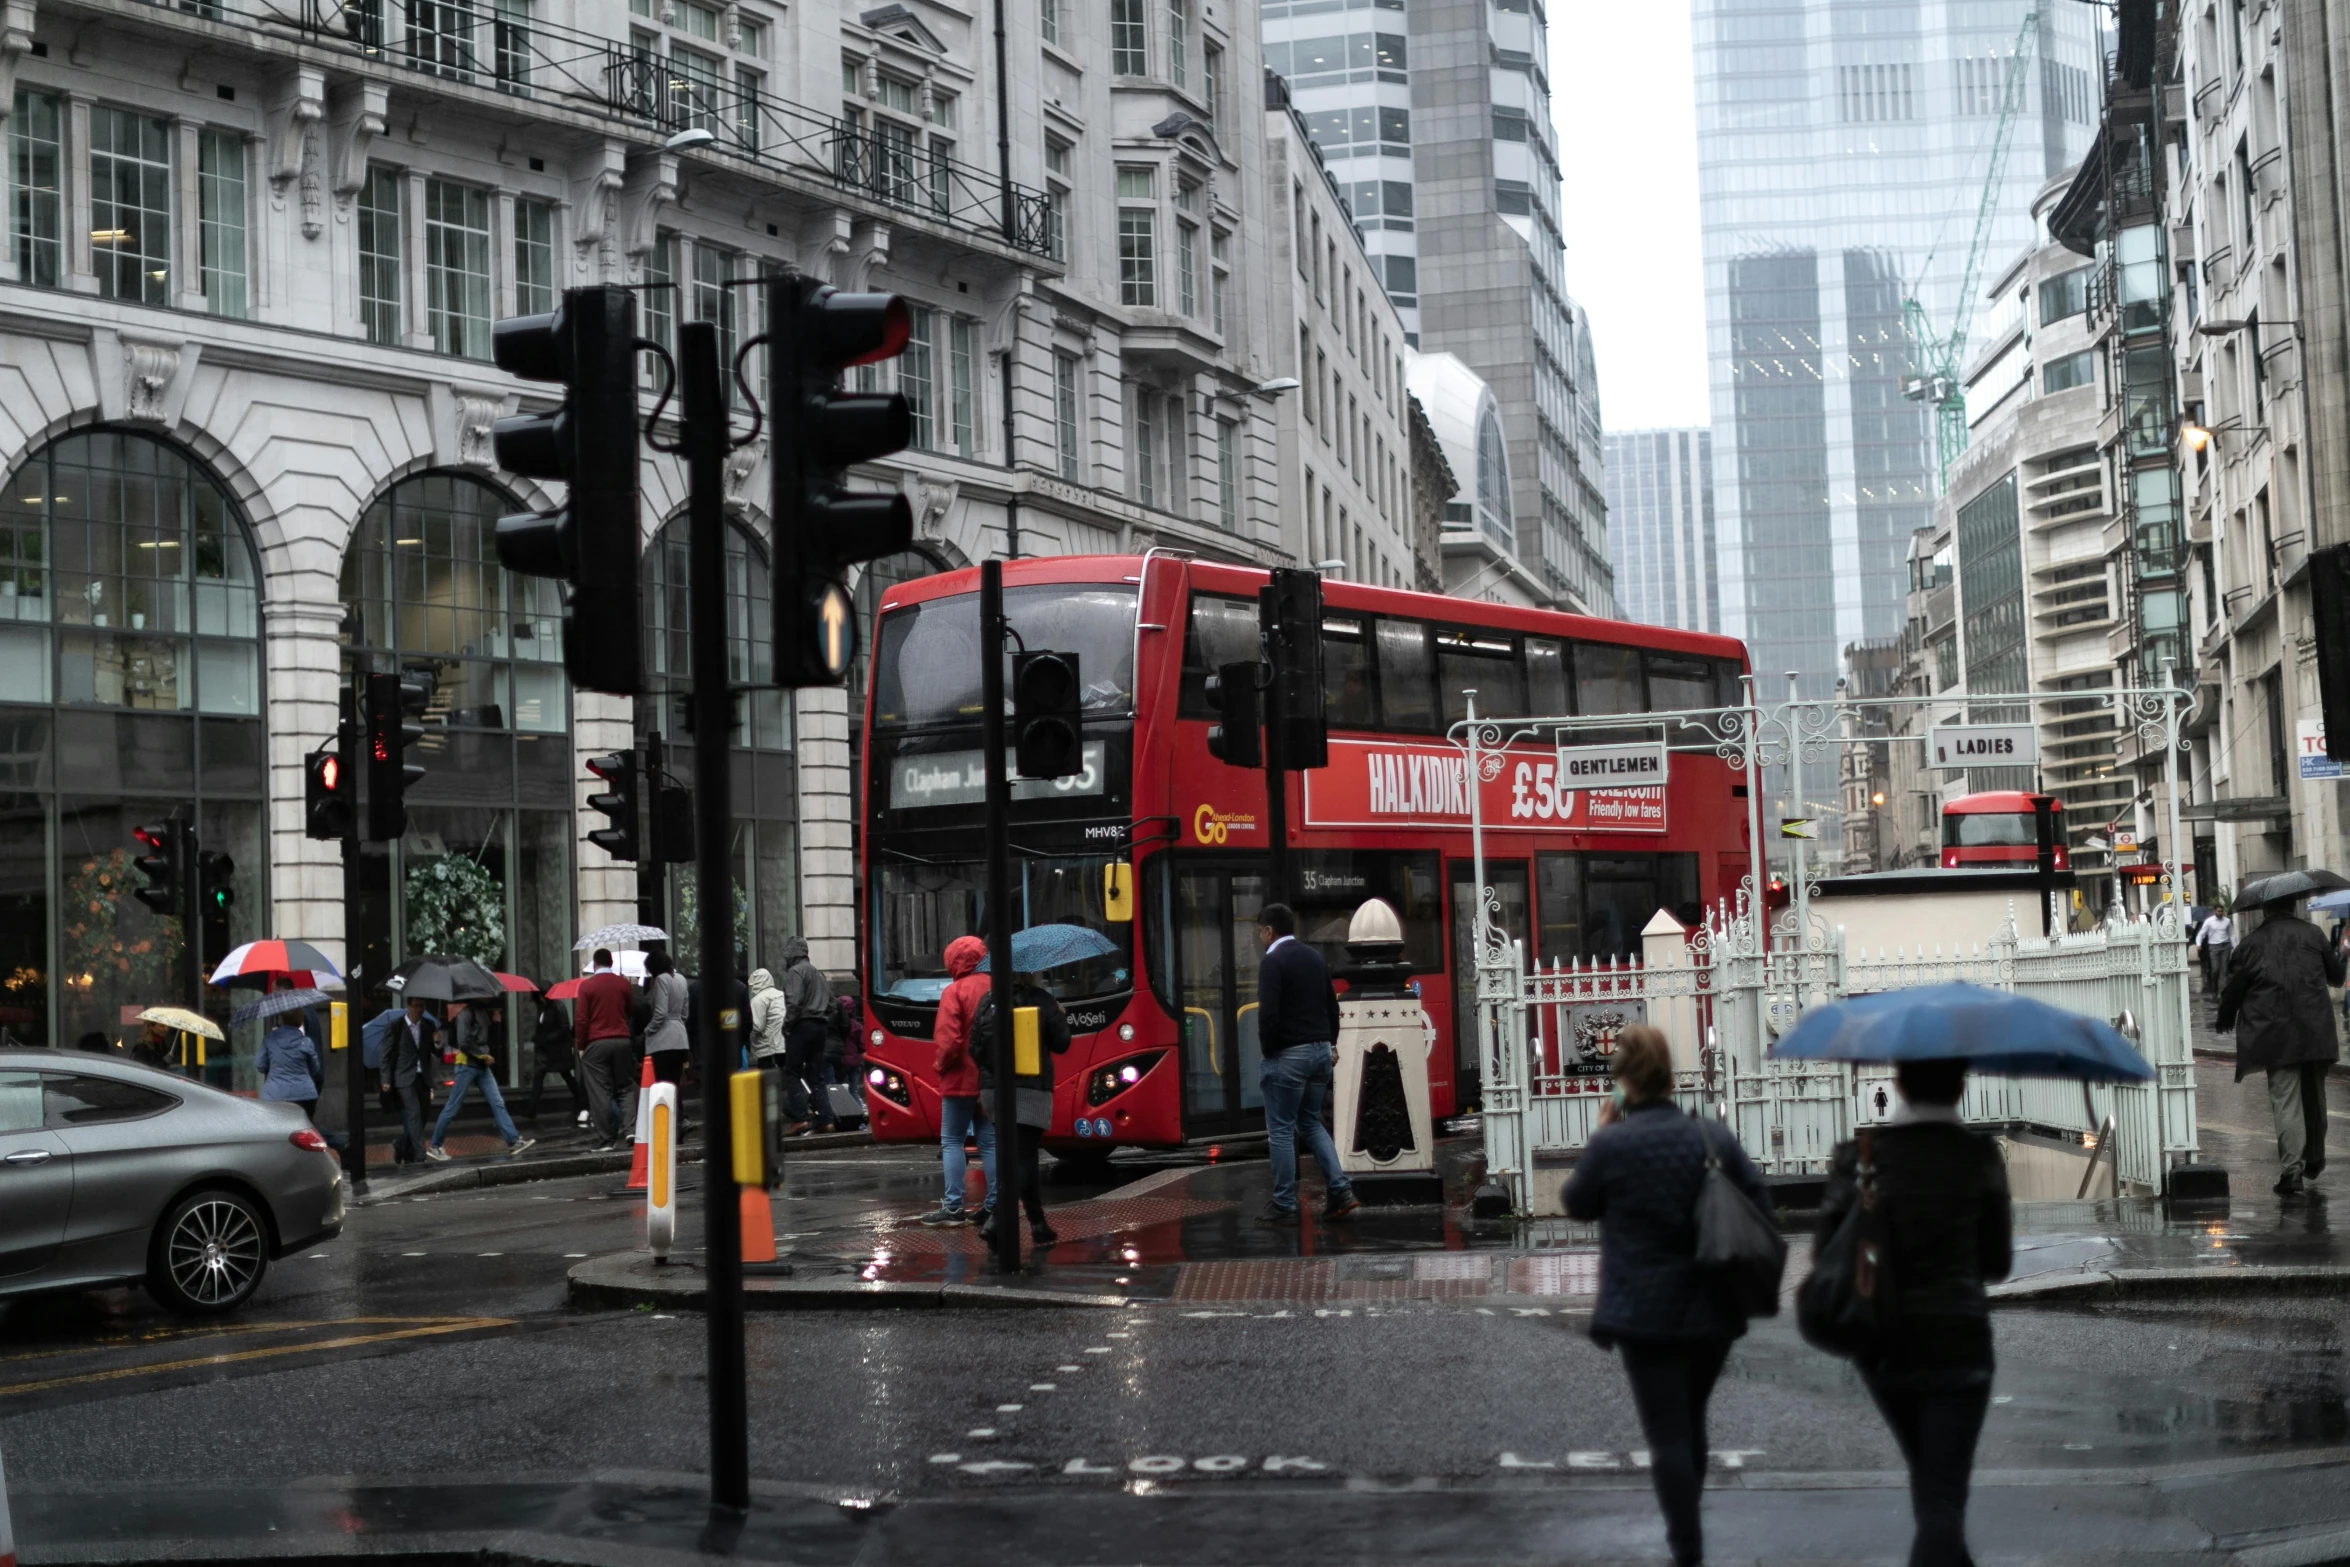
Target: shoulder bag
1847, 1305
1736, 1240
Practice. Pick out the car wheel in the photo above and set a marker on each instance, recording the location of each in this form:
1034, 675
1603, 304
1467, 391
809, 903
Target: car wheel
209, 1253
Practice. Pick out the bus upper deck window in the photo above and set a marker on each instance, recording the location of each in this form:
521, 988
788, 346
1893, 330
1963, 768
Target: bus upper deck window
1350, 697
1607, 678
1546, 677
1407, 689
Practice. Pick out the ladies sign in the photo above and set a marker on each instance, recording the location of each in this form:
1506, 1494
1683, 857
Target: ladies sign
1388, 783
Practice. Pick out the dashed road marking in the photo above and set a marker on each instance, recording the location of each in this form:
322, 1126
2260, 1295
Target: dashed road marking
1097, 1349
1008, 1409
980, 1431
1044, 1387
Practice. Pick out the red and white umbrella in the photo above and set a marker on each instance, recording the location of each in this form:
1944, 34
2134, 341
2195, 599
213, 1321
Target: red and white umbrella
258, 962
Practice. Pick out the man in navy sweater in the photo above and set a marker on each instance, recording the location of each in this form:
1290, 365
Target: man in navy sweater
1297, 1029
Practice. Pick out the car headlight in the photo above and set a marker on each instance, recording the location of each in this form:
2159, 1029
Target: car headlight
1107, 1082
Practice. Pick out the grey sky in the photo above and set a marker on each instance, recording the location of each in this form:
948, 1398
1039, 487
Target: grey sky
1621, 93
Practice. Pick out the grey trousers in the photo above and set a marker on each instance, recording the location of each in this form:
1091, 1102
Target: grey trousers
2297, 1102
609, 1065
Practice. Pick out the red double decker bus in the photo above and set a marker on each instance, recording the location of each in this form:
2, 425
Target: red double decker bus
1159, 849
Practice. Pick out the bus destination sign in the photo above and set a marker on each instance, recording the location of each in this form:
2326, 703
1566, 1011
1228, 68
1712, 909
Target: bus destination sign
960, 778
1610, 766
1954, 746
1387, 783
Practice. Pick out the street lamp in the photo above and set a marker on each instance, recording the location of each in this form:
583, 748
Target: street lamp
688, 140
1276, 386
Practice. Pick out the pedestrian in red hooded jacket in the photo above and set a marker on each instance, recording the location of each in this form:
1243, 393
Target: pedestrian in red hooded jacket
961, 1113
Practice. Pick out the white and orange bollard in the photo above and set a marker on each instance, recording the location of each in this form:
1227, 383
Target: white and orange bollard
661, 1189
644, 1128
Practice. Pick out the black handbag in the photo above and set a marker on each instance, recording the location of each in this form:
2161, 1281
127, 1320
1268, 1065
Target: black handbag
1848, 1305
1736, 1241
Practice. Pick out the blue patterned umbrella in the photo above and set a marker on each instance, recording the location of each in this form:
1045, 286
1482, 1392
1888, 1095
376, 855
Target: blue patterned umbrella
1041, 947
276, 1004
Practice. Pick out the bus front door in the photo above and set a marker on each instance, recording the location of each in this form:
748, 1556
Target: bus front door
1216, 959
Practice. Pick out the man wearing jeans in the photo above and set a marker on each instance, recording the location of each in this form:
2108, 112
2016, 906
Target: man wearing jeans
1297, 1030
477, 1064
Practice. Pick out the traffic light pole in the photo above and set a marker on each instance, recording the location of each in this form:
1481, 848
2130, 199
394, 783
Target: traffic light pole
354, 944
998, 766
1276, 772
706, 436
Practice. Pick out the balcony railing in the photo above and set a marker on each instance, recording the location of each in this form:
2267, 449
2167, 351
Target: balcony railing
498, 45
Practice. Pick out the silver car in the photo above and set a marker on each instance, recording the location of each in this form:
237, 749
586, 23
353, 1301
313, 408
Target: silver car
114, 1172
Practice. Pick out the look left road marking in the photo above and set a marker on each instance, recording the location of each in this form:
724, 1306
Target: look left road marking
427, 1328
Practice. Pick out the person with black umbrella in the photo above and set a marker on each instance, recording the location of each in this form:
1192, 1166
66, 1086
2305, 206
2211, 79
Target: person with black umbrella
2275, 999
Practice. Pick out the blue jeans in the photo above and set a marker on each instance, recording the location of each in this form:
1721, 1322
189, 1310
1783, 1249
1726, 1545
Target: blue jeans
956, 1118
468, 1077
1297, 1085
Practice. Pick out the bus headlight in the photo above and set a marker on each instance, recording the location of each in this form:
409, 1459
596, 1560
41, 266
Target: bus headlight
1125, 1033
1108, 1082
890, 1086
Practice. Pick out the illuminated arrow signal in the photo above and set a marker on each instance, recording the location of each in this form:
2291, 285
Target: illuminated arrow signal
1798, 827
836, 628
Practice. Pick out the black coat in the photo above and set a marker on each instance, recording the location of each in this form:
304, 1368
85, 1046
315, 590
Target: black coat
405, 1056
1943, 1192
2275, 997
1296, 1004
1639, 1178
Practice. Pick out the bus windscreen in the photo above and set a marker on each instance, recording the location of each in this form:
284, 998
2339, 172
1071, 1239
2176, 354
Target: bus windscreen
919, 907
928, 670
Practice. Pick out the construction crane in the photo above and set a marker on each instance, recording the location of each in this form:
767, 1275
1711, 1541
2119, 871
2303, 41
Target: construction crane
1941, 359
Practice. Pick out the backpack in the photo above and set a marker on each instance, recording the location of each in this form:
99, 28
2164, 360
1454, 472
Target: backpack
1052, 1028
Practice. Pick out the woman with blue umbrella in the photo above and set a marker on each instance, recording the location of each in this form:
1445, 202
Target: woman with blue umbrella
1934, 1193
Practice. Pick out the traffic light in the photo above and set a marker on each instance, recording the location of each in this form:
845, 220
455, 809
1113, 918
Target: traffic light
393, 701
673, 824
326, 796
814, 333
1048, 715
1239, 738
214, 898
590, 541
618, 771
1289, 610
164, 864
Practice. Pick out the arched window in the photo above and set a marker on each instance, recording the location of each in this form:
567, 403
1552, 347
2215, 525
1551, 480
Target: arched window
485, 866
1494, 512
130, 688
765, 849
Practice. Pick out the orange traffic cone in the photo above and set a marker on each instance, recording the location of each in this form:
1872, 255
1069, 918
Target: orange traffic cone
639, 1158
758, 1240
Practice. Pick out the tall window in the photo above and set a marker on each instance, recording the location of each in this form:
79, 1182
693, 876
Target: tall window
379, 254
917, 376
534, 257
714, 302
1146, 447
130, 204
1048, 20
659, 302
1187, 268
1219, 276
36, 151
1227, 478
1065, 416
457, 267
511, 40
130, 670
1056, 198
960, 354
1138, 263
1129, 38
220, 220
1211, 79
1178, 42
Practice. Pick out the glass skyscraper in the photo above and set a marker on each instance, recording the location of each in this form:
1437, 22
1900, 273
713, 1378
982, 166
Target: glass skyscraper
1433, 117
1660, 527
1844, 149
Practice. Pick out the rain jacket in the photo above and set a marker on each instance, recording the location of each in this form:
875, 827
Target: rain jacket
2275, 998
667, 1029
958, 1074
806, 992
767, 1010
289, 1065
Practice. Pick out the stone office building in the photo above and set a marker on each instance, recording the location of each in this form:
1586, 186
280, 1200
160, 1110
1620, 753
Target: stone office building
255, 252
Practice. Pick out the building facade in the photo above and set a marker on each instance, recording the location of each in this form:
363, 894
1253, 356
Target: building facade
1660, 527
1477, 542
255, 255
1844, 152
1345, 431
1436, 123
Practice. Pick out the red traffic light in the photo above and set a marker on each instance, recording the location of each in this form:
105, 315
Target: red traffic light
861, 329
152, 837
330, 774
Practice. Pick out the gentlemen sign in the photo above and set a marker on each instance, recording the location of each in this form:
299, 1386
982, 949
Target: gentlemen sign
1952, 746
1611, 766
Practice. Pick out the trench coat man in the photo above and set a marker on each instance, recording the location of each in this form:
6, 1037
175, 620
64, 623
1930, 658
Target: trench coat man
2275, 999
